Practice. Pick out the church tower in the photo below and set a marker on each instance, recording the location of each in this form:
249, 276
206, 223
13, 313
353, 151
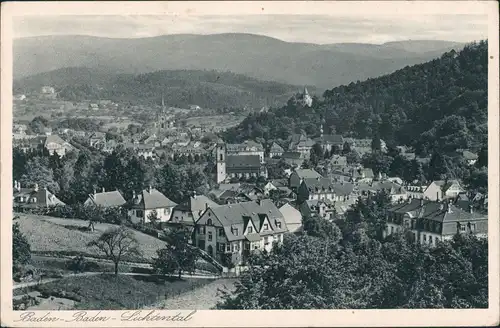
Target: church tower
220, 154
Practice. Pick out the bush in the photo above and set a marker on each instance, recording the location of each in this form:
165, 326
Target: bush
25, 302
81, 264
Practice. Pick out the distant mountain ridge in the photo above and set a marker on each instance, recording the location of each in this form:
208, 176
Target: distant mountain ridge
260, 57
208, 88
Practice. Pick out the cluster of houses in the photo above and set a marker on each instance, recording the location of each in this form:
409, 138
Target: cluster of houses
234, 219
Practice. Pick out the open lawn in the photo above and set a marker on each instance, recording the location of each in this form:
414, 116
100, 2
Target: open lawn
109, 292
57, 236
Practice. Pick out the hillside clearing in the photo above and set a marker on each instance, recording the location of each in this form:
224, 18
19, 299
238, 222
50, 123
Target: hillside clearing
49, 235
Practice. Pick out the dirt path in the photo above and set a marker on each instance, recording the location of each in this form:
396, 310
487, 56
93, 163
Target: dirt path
203, 298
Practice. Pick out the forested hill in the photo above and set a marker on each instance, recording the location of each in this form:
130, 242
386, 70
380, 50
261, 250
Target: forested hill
438, 105
205, 88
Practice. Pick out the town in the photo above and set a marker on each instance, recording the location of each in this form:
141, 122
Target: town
130, 193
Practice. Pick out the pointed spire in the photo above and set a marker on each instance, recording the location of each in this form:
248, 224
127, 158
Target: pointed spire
162, 101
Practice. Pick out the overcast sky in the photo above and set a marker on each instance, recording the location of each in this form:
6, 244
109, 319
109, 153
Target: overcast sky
293, 28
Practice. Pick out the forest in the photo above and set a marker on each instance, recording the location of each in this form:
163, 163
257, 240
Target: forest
180, 88
438, 106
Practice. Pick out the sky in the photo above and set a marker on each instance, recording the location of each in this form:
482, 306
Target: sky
321, 29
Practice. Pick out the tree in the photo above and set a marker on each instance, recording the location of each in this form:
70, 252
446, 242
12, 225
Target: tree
178, 256
117, 243
352, 157
38, 124
21, 249
153, 218
39, 172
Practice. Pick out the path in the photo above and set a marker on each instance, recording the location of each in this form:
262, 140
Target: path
44, 281
204, 298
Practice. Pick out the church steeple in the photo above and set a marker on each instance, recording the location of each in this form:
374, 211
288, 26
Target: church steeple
162, 101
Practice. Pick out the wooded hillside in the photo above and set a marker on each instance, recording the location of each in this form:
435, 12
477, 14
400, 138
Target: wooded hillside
438, 105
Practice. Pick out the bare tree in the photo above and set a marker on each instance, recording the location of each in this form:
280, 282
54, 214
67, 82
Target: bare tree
116, 243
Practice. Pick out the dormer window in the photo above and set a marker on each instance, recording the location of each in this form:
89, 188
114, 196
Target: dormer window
278, 225
250, 229
235, 231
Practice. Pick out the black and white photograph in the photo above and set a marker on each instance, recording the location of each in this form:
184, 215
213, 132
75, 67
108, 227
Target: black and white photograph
327, 156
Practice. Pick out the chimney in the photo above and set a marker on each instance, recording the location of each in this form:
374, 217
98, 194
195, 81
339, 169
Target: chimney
133, 194
471, 210
207, 206
258, 201
149, 189
421, 202
448, 207
437, 195
103, 190
36, 187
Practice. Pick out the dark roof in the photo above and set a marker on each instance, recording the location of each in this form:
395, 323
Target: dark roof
319, 184
238, 215
106, 199
275, 148
331, 139
243, 161
291, 155
435, 211
155, 199
307, 173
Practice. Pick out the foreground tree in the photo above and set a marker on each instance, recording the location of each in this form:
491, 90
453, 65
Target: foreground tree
178, 256
21, 249
117, 243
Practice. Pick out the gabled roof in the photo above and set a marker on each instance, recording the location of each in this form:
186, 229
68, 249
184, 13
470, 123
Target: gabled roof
106, 199
54, 139
275, 148
291, 214
320, 184
233, 216
469, 155
435, 211
153, 199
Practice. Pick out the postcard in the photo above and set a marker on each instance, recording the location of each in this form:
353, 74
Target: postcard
250, 164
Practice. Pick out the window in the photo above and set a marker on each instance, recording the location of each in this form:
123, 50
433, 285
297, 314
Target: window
266, 240
392, 230
139, 213
430, 240
235, 231
165, 211
255, 246
250, 229
222, 247
228, 247
236, 247
221, 157
221, 232
462, 227
278, 225
209, 235
33, 200
209, 222
266, 227
425, 238
472, 227
247, 246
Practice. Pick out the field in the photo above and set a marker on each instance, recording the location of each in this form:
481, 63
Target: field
56, 236
109, 292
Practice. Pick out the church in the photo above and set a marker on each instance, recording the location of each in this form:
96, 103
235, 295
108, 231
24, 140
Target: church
237, 166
